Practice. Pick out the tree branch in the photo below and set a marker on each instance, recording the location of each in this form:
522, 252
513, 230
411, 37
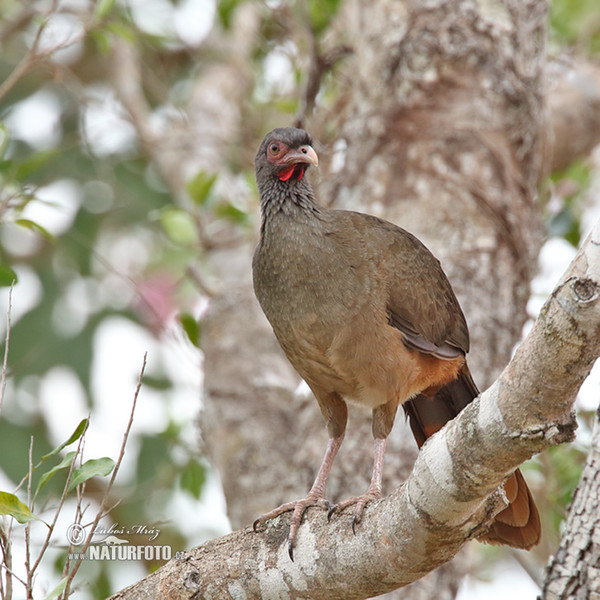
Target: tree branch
451, 494
574, 571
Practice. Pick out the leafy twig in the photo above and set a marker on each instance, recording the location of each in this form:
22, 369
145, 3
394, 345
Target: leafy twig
29, 59
104, 508
34, 55
52, 525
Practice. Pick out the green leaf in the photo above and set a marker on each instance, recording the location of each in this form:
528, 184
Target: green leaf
58, 590
91, 468
565, 225
33, 226
321, 13
7, 276
158, 383
578, 171
576, 22
153, 463
103, 8
193, 478
231, 213
286, 104
225, 10
123, 30
11, 505
45, 478
79, 431
179, 226
33, 163
6, 167
103, 39
4, 139
200, 186
191, 327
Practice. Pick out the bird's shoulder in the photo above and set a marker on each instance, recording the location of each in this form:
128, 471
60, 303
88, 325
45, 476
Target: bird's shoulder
420, 299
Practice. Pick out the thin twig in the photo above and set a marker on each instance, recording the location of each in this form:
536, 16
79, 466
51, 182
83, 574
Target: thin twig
34, 56
29, 586
52, 525
6, 345
104, 509
106, 512
5, 544
197, 276
29, 59
320, 64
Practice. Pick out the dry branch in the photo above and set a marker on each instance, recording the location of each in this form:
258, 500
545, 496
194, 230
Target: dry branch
451, 493
574, 571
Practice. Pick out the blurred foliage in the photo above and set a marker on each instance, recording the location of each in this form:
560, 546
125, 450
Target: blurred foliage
46, 505
574, 24
321, 13
570, 188
577, 23
118, 238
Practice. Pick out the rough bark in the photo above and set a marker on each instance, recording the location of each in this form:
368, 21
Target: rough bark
451, 493
574, 571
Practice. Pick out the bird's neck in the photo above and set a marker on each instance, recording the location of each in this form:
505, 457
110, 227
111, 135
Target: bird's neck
292, 199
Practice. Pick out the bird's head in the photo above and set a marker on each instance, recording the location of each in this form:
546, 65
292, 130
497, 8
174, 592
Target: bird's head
285, 153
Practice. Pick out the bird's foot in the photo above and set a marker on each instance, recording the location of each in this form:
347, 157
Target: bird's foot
299, 507
359, 503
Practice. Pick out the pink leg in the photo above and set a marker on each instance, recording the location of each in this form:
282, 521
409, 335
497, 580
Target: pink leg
373, 493
315, 497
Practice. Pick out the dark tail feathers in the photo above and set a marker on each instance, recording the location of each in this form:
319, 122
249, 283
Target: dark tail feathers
518, 525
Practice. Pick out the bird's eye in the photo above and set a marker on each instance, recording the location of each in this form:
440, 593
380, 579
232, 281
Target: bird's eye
274, 149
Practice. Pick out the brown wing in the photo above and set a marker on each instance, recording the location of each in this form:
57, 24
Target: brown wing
424, 306
421, 302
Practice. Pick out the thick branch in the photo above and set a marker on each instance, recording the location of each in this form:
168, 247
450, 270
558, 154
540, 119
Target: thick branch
449, 496
574, 571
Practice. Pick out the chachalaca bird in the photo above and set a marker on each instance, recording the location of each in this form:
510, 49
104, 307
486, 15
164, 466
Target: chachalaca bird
364, 312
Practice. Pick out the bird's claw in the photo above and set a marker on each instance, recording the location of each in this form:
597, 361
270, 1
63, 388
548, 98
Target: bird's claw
298, 508
359, 502
356, 519
332, 509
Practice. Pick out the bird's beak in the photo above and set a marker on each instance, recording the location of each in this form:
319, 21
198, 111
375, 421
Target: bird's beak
304, 154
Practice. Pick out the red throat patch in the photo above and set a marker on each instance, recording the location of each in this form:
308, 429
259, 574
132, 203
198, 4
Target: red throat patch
287, 173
